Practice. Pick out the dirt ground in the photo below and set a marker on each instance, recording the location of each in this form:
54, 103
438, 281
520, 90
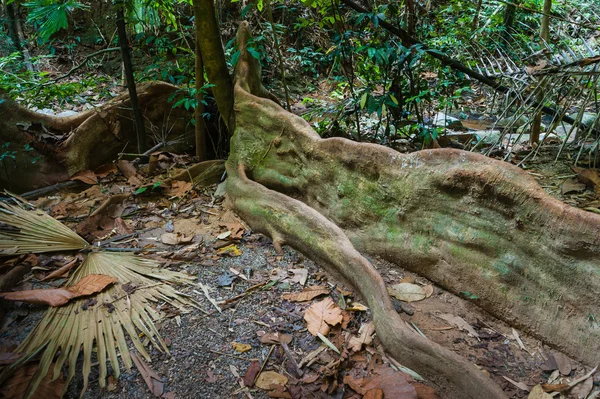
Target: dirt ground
203, 363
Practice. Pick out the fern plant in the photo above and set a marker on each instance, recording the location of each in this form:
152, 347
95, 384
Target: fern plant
51, 15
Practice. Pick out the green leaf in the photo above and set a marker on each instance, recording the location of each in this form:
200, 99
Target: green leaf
363, 100
259, 5
394, 99
254, 53
140, 190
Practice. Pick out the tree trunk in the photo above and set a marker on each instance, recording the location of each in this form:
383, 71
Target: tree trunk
464, 221
545, 36
16, 34
128, 66
545, 29
199, 72
509, 17
211, 49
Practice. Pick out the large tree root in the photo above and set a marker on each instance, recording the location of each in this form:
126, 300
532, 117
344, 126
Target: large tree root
467, 222
291, 222
48, 149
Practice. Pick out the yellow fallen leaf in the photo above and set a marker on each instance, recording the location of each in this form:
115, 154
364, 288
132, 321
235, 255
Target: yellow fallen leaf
407, 292
307, 294
357, 307
231, 250
239, 347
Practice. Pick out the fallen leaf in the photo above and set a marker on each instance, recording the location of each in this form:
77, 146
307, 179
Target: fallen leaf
16, 386
520, 385
230, 250
179, 188
563, 363
460, 323
555, 387
105, 170
320, 315
307, 294
538, 393
122, 227
356, 307
365, 337
276, 338
268, 378
571, 186
226, 279
424, 391
407, 292
393, 383
300, 276
581, 391
239, 347
127, 168
376, 393
152, 380
85, 176
90, 284
224, 235
9, 358
112, 384
251, 373
175, 238
428, 290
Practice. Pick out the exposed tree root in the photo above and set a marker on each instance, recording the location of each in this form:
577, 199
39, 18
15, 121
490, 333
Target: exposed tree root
289, 221
467, 222
48, 149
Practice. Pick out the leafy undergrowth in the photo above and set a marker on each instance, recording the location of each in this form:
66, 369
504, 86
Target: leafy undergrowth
267, 325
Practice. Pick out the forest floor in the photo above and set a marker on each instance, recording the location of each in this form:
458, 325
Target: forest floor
213, 352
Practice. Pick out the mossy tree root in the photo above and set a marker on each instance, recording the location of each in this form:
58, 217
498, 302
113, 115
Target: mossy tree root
289, 221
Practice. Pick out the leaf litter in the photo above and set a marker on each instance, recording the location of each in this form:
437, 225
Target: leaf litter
266, 315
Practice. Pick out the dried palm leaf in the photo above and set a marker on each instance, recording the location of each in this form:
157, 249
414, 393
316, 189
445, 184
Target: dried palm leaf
25, 232
129, 306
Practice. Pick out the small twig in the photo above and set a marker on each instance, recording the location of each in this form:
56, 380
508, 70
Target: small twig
264, 363
49, 189
243, 294
230, 355
293, 362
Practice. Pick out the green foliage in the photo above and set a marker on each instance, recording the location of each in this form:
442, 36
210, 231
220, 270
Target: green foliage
50, 16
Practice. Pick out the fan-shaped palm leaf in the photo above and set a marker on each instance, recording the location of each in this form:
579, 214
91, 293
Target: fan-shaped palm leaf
24, 232
127, 306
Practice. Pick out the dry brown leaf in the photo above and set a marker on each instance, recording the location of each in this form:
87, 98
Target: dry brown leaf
275, 338
563, 363
9, 358
105, 170
179, 188
520, 385
127, 168
428, 290
460, 323
251, 373
61, 271
555, 387
365, 337
376, 393
582, 390
393, 383
175, 238
88, 285
16, 386
152, 380
407, 292
85, 176
239, 347
571, 186
307, 294
320, 315
268, 378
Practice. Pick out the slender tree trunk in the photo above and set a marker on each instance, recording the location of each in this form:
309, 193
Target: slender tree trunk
215, 65
411, 17
475, 22
126, 56
16, 34
536, 127
279, 55
199, 72
509, 17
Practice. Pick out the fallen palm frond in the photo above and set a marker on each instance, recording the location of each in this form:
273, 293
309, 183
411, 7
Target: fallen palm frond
25, 232
101, 321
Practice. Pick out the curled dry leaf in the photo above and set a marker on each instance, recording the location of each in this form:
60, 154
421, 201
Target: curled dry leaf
88, 285
365, 337
407, 292
16, 386
175, 238
538, 393
152, 380
268, 378
127, 168
320, 315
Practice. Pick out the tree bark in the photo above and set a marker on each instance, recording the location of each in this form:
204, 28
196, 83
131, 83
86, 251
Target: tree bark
128, 66
215, 65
